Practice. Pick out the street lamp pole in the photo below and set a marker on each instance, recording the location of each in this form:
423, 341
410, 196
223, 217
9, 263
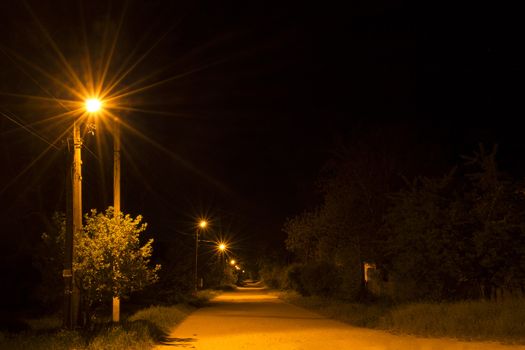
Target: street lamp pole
196, 282
116, 198
77, 213
202, 225
71, 293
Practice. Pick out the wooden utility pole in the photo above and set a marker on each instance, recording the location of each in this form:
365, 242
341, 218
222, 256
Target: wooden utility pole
116, 198
196, 282
73, 227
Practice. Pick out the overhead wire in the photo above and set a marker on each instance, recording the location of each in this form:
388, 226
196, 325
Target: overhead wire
28, 129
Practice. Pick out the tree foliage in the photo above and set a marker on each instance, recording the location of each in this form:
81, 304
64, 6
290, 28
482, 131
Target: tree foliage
344, 230
458, 236
49, 260
426, 244
109, 258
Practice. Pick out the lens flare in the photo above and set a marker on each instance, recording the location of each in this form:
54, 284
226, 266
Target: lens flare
93, 105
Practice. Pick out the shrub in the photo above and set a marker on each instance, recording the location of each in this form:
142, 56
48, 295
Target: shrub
293, 278
320, 278
273, 276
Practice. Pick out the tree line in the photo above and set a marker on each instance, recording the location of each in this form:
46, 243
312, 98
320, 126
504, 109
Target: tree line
452, 236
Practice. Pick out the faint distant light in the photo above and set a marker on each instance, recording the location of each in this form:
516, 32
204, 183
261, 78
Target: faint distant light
93, 105
232, 262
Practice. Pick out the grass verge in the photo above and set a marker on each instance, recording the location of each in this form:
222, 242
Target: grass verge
357, 314
472, 320
141, 330
502, 321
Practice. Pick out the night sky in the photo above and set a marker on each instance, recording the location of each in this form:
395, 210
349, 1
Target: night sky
255, 98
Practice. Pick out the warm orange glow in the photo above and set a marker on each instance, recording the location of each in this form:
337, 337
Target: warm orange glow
93, 105
232, 262
222, 247
203, 224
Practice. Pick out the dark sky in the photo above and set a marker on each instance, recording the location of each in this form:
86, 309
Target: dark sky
264, 92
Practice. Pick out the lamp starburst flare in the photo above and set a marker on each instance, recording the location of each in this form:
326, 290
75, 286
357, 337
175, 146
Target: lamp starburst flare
93, 105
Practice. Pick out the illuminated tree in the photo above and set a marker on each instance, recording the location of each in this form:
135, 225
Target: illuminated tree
109, 258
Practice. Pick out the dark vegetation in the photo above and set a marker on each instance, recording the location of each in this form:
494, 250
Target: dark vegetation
501, 321
443, 254
449, 236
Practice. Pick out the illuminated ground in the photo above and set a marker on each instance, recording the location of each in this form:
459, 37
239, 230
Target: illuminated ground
250, 318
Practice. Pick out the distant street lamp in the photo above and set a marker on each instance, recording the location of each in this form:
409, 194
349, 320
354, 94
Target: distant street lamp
202, 225
222, 247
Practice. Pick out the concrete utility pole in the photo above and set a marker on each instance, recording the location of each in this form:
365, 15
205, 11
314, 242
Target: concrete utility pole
116, 198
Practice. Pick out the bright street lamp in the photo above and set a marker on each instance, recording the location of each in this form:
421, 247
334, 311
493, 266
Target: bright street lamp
222, 247
72, 302
93, 105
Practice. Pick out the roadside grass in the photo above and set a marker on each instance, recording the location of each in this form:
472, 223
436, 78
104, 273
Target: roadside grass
502, 321
162, 317
357, 314
141, 330
203, 297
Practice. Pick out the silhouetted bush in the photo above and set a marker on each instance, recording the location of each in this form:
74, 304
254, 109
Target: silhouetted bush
320, 278
273, 276
316, 278
294, 278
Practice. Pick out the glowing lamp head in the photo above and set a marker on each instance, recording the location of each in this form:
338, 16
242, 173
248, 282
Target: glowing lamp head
93, 105
222, 247
232, 262
203, 224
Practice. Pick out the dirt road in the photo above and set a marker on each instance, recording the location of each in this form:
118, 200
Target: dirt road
250, 318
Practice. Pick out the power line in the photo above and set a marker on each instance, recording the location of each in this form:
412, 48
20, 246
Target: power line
32, 132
